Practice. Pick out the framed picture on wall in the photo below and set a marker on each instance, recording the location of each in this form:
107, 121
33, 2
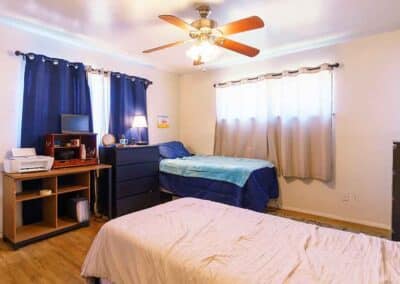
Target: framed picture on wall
163, 121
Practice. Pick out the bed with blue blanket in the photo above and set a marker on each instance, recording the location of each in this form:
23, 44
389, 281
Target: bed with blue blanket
246, 183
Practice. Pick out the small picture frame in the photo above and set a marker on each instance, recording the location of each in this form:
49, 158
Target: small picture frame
163, 121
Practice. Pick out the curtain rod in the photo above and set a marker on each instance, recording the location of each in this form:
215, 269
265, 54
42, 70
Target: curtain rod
277, 75
87, 67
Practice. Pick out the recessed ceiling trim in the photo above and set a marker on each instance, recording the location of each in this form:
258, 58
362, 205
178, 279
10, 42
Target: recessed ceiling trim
73, 39
290, 49
98, 45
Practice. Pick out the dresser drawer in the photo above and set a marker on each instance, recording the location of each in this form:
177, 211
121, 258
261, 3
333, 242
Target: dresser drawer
136, 202
137, 155
128, 172
135, 183
136, 186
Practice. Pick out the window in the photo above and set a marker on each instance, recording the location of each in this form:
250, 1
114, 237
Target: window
99, 84
287, 120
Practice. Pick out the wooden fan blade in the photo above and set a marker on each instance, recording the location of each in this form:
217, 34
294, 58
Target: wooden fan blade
246, 24
164, 46
177, 22
237, 47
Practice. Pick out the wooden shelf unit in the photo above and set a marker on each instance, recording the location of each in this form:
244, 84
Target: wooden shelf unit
71, 188
47, 183
27, 232
61, 182
57, 145
25, 196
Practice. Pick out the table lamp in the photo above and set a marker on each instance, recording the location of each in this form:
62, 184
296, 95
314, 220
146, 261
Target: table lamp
139, 121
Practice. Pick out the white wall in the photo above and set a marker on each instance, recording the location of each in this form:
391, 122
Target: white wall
367, 95
162, 96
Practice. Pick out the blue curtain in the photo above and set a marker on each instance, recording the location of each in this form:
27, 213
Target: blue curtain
51, 87
128, 98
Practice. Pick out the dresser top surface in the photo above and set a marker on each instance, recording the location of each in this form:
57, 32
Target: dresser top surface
127, 147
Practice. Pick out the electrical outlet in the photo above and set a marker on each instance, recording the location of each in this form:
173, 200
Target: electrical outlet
346, 197
355, 197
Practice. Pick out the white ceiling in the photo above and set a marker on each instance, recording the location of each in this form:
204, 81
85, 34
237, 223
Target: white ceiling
129, 26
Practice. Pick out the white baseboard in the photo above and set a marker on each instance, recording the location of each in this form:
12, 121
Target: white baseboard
339, 218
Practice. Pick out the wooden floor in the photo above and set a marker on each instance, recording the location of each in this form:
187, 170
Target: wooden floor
331, 223
55, 260
59, 259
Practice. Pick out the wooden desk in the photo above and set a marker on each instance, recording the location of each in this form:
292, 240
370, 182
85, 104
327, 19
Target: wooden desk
74, 180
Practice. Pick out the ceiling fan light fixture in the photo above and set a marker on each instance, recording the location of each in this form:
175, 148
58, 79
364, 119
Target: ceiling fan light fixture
203, 49
209, 36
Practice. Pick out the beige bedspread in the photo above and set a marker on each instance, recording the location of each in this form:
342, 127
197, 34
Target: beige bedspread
196, 241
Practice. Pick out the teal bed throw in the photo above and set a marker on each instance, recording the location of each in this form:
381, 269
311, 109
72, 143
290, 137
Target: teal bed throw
228, 169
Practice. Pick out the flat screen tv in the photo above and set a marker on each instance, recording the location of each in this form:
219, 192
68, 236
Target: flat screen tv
74, 123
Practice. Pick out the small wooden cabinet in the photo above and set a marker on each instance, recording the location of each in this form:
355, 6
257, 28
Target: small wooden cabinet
135, 184
63, 183
66, 154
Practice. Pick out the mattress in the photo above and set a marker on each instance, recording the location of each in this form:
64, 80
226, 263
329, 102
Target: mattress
197, 241
227, 169
261, 185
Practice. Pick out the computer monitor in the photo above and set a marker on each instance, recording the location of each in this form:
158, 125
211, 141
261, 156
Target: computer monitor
74, 123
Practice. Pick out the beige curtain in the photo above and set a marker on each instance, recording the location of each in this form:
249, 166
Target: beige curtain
286, 120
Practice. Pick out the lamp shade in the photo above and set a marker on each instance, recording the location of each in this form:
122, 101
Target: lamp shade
203, 49
139, 121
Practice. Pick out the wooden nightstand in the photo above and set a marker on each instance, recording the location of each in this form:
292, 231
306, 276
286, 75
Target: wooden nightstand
135, 183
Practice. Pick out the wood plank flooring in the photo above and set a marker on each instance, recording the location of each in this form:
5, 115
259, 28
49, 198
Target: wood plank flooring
55, 260
59, 259
331, 223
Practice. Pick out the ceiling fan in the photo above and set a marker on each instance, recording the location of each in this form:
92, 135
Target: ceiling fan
206, 34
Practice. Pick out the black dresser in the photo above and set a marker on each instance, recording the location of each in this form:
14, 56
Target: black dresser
396, 193
135, 177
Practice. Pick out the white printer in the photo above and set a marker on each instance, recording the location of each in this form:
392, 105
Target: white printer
24, 160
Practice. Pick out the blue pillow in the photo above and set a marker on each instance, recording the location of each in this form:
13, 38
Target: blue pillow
173, 150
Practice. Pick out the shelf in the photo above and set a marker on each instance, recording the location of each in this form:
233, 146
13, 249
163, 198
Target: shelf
29, 195
74, 163
33, 230
65, 222
76, 159
38, 230
73, 134
71, 188
66, 147
56, 172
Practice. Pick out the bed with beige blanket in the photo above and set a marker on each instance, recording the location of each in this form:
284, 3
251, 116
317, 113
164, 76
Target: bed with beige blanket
197, 241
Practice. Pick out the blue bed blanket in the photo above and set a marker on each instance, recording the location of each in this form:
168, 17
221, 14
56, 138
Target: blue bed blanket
228, 169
